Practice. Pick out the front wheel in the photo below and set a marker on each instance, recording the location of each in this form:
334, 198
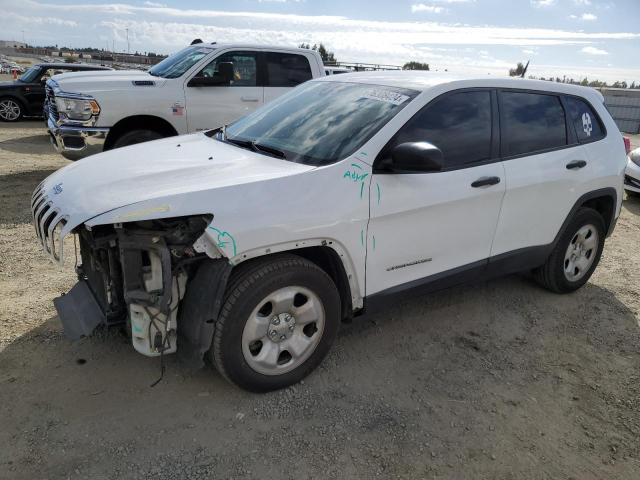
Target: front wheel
10, 110
136, 136
278, 321
576, 255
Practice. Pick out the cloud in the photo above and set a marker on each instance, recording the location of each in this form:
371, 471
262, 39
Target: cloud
154, 4
588, 17
421, 7
543, 3
166, 29
30, 20
584, 3
594, 51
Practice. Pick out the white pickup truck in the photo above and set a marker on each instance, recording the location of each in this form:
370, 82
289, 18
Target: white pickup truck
201, 87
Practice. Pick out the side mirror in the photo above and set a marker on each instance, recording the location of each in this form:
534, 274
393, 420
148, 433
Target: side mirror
223, 77
416, 157
225, 71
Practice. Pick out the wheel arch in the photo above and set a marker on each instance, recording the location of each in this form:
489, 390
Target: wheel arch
602, 200
328, 255
147, 122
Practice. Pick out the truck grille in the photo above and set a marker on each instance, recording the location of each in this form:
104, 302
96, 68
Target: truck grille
46, 220
50, 102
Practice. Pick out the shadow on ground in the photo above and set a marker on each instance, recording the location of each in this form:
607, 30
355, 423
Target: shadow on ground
32, 145
494, 380
15, 195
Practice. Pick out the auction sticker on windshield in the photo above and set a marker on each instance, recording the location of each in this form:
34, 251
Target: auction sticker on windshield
386, 96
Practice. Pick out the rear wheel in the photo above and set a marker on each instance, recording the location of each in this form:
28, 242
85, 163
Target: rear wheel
10, 109
278, 322
576, 254
136, 136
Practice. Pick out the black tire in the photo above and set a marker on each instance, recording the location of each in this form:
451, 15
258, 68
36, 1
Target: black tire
248, 286
15, 102
137, 136
552, 274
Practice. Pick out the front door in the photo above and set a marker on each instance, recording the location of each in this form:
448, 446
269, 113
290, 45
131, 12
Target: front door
212, 106
435, 224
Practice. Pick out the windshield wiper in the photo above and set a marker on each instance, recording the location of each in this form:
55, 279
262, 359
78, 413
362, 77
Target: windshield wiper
270, 150
254, 146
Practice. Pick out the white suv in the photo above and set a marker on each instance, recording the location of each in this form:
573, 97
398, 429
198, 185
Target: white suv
250, 244
200, 87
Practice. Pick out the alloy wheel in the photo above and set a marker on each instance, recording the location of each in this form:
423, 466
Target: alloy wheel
9, 110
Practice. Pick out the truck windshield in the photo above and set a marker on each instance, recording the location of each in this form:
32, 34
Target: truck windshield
176, 65
319, 123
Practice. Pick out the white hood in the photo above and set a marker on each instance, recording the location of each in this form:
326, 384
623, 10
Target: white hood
158, 170
94, 81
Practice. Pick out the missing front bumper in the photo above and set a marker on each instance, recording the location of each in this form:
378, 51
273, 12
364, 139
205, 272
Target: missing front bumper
79, 311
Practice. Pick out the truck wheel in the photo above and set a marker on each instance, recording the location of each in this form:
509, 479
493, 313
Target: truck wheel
576, 254
136, 136
10, 109
278, 321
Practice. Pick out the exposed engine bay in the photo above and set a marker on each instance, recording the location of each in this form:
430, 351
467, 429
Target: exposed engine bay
136, 274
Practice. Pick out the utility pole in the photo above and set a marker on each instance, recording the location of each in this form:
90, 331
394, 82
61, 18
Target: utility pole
128, 49
23, 41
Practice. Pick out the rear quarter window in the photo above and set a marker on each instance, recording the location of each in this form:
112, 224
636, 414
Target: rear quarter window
532, 122
587, 123
287, 69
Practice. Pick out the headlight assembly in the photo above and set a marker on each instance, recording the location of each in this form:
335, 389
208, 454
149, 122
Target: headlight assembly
77, 108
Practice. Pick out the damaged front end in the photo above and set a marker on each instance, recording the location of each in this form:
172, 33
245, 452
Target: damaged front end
149, 275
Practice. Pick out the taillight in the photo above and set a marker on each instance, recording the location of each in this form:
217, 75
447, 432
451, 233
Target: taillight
627, 144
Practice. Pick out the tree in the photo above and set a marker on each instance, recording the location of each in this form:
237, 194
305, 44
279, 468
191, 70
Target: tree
325, 54
415, 66
518, 71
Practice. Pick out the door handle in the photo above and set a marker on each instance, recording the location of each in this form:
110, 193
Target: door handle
485, 182
576, 164
249, 99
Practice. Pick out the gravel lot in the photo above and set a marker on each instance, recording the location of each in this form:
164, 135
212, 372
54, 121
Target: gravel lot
495, 380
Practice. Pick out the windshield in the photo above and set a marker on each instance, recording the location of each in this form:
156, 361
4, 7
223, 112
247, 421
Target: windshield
30, 75
320, 122
177, 64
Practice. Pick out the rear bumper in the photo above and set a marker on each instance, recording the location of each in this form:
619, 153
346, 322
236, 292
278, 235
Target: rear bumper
76, 142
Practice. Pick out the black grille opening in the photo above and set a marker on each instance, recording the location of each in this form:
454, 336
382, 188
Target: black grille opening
73, 142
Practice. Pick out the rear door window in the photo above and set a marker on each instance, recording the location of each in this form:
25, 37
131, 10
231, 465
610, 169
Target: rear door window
586, 122
532, 122
459, 124
286, 69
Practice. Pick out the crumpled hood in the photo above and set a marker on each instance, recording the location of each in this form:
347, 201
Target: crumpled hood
93, 81
156, 171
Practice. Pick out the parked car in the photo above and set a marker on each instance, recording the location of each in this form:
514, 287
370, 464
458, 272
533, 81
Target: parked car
632, 173
25, 96
250, 243
201, 87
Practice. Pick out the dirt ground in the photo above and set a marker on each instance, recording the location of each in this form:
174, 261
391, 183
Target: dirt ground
499, 380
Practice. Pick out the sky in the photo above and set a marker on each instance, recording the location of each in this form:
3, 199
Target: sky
598, 39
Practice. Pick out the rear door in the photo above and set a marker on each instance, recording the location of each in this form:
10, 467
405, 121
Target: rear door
437, 224
284, 71
546, 169
212, 106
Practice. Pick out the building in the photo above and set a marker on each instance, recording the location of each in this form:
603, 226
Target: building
11, 44
624, 106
